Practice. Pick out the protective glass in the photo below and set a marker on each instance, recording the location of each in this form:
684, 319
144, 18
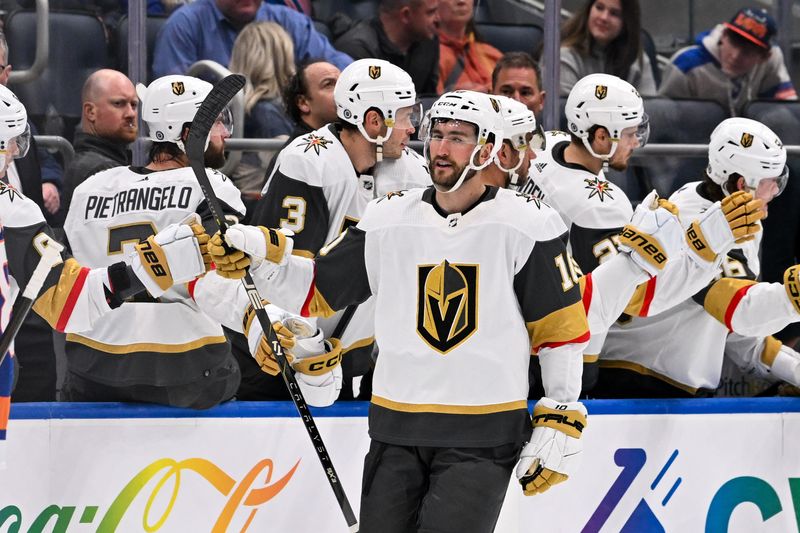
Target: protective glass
407, 117
766, 185
224, 123
23, 142
643, 131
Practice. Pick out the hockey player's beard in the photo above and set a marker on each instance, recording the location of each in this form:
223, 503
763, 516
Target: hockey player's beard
214, 157
446, 178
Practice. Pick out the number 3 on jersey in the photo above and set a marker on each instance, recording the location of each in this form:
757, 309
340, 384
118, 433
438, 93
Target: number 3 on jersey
569, 270
296, 216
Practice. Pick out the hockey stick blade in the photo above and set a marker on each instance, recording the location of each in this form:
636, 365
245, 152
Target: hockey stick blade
219, 97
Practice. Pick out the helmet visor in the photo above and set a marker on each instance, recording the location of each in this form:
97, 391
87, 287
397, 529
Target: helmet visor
17, 147
643, 130
407, 117
223, 126
772, 186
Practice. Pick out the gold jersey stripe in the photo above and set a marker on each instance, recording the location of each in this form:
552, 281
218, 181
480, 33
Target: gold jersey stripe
316, 305
145, 346
720, 296
639, 369
303, 253
590, 358
51, 303
636, 302
361, 343
449, 409
562, 325
771, 348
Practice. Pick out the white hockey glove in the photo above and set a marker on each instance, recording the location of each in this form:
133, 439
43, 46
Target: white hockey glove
654, 234
791, 282
176, 254
733, 220
553, 454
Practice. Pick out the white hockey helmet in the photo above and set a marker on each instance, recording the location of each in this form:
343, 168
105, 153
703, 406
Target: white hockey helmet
373, 84
608, 101
748, 148
479, 109
170, 102
13, 126
521, 130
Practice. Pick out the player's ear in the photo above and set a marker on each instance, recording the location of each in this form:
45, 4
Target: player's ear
373, 123
185, 131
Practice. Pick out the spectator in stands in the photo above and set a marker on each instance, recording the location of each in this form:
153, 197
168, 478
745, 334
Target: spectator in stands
403, 33
732, 64
264, 53
517, 75
465, 61
605, 36
309, 96
303, 6
207, 29
38, 168
108, 125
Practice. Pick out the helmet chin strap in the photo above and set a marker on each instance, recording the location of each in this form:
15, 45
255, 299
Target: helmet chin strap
465, 172
513, 176
604, 157
378, 141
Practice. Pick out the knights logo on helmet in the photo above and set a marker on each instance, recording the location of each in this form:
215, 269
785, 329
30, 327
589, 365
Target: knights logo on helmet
374, 71
495, 104
747, 140
178, 88
600, 91
447, 304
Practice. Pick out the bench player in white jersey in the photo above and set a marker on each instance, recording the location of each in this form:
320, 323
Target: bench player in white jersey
164, 349
448, 416
607, 123
73, 297
323, 181
680, 352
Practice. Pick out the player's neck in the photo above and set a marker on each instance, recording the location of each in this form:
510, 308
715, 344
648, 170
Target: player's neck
170, 163
360, 151
464, 197
579, 155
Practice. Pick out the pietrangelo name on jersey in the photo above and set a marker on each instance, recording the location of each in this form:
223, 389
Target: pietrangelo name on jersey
149, 198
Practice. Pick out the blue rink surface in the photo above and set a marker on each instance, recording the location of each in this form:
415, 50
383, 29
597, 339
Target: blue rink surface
33, 411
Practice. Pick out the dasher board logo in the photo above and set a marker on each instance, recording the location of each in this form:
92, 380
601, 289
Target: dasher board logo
747, 140
374, 71
178, 88
447, 304
600, 91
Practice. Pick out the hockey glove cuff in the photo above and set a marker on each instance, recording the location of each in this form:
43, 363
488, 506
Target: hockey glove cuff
734, 220
792, 285
553, 453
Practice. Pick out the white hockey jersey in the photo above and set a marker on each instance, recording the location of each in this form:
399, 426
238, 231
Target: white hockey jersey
161, 343
315, 192
461, 300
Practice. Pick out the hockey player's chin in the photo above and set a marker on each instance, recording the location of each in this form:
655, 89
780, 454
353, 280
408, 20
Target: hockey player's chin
619, 166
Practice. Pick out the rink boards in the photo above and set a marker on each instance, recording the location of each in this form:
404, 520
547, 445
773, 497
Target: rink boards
697, 465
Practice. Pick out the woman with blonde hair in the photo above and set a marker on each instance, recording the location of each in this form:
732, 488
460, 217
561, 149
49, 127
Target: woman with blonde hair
263, 52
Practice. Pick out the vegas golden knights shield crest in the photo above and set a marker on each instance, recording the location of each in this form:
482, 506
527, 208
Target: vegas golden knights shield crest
747, 140
178, 88
374, 72
447, 304
600, 91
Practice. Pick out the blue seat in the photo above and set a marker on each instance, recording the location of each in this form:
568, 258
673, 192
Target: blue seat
152, 27
355, 9
78, 47
511, 37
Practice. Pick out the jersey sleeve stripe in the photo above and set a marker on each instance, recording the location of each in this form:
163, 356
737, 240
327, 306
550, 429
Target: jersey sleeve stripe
562, 326
586, 291
315, 304
723, 297
57, 303
772, 347
639, 304
650, 292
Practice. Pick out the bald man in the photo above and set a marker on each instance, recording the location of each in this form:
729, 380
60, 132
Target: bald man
108, 125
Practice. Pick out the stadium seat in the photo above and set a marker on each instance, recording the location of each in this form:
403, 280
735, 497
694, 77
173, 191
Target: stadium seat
780, 116
355, 9
649, 48
511, 37
78, 47
153, 25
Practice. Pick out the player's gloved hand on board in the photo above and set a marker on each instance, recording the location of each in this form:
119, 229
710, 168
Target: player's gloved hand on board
316, 361
731, 221
256, 242
553, 454
176, 254
654, 234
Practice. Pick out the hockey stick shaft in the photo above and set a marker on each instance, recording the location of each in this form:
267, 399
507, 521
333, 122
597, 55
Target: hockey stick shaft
50, 251
206, 116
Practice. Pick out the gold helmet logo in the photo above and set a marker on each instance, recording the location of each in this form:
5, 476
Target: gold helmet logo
495, 104
374, 72
447, 304
600, 91
178, 88
747, 140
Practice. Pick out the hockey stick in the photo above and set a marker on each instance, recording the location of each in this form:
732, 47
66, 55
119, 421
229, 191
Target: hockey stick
50, 251
204, 120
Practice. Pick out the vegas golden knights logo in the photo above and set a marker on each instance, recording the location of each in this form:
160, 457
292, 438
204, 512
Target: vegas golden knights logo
747, 140
178, 88
600, 91
495, 104
447, 304
374, 72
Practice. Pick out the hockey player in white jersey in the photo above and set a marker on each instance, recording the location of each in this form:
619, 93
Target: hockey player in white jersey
322, 183
680, 352
451, 380
161, 349
73, 297
607, 123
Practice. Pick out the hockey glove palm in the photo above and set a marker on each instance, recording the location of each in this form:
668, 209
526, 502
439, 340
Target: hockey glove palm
553, 453
176, 254
733, 220
653, 235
